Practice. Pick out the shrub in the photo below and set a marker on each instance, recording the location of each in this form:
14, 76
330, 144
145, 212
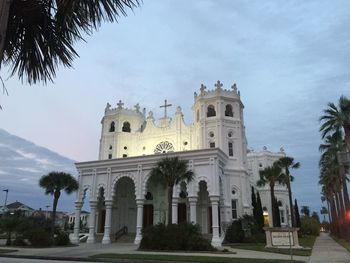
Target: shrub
61, 239
19, 241
310, 226
234, 233
183, 236
39, 238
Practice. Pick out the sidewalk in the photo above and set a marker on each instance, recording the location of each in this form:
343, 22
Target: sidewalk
327, 250
85, 250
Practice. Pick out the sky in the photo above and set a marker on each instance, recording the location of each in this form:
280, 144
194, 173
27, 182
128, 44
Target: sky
288, 58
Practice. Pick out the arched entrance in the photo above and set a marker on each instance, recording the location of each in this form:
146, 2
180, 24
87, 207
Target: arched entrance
124, 206
203, 208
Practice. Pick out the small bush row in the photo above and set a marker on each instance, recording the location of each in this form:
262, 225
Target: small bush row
183, 236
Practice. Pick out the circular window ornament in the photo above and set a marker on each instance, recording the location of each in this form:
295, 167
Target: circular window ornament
230, 134
185, 143
164, 147
233, 191
211, 134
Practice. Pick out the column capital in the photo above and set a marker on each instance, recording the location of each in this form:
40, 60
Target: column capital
193, 199
176, 200
140, 201
93, 203
78, 204
214, 198
109, 203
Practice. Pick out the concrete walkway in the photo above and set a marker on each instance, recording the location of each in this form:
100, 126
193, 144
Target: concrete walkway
327, 250
84, 250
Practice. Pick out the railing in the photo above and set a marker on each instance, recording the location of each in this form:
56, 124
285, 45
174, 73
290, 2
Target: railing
344, 157
121, 232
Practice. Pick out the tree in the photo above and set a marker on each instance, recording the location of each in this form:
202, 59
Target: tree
54, 183
276, 212
315, 216
305, 210
337, 118
288, 163
260, 212
37, 36
254, 204
297, 215
9, 224
171, 171
271, 175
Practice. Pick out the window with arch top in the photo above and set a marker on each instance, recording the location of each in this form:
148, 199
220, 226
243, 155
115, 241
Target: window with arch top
211, 111
126, 127
112, 127
228, 110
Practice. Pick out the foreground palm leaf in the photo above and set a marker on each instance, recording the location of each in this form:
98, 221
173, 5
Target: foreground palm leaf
40, 34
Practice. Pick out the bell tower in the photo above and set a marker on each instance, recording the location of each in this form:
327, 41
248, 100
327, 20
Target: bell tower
218, 121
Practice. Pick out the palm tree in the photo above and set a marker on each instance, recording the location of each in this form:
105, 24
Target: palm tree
37, 36
54, 183
271, 175
287, 163
331, 146
171, 171
324, 212
305, 210
337, 118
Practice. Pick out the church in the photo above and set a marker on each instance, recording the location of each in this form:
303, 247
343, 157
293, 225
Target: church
124, 198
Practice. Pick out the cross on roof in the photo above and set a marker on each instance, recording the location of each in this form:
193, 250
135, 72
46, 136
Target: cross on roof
218, 84
165, 106
120, 104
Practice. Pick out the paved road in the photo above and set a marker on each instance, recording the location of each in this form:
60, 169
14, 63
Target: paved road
327, 250
25, 260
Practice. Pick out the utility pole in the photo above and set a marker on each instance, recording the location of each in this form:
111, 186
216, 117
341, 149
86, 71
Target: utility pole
7, 192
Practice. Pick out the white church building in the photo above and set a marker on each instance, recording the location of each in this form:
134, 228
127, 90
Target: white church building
122, 195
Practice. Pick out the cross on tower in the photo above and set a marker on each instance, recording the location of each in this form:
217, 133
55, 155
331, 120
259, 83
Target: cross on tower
120, 104
165, 106
218, 84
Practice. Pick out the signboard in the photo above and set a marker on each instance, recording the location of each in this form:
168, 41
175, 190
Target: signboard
281, 238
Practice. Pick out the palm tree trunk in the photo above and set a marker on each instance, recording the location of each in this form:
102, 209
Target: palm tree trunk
272, 196
347, 135
329, 212
54, 207
4, 17
170, 204
337, 202
342, 175
333, 210
290, 202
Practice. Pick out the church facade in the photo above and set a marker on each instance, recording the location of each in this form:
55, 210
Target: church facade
122, 196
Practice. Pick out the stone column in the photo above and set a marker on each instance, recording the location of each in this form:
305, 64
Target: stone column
92, 222
216, 241
107, 233
139, 220
174, 207
193, 208
78, 206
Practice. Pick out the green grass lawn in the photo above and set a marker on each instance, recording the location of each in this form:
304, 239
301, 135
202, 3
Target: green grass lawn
204, 259
342, 242
307, 242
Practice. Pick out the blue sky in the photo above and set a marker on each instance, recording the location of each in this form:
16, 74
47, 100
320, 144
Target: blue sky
288, 58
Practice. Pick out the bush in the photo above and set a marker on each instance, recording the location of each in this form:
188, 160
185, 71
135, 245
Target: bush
235, 233
183, 236
62, 239
310, 226
19, 241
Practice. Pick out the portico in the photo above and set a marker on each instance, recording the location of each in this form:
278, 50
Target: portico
121, 191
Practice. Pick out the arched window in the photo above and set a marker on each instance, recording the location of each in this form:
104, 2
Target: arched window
211, 111
197, 115
126, 127
112, 127
228, 110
